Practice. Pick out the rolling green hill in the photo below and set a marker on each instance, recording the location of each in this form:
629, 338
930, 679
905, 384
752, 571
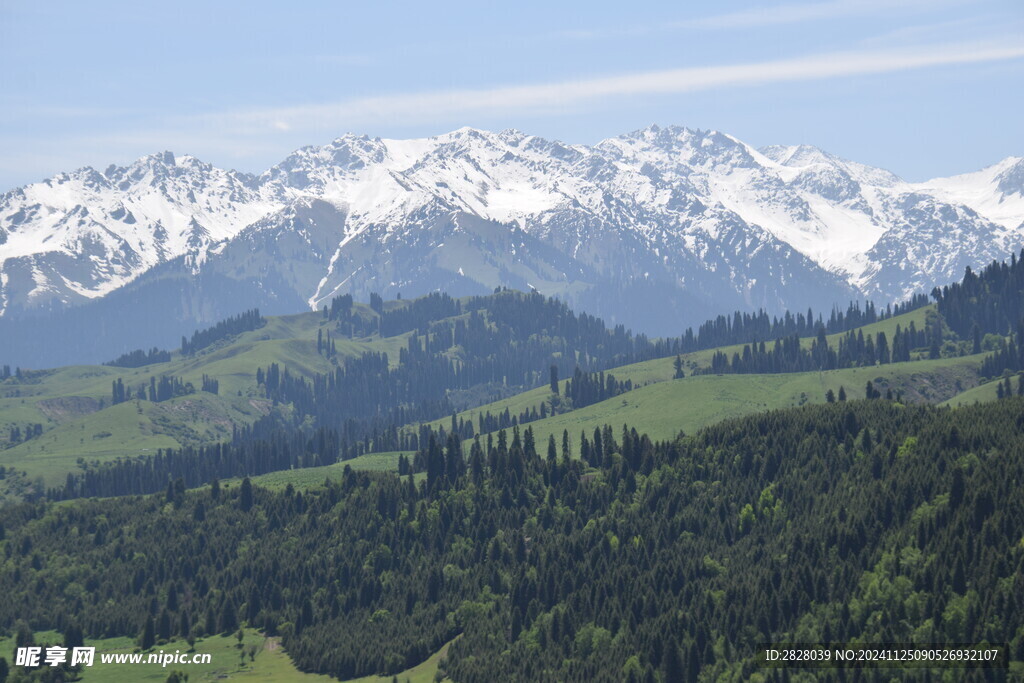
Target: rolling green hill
980, 394
73, 404
132, 428
662, 409
315, 476
703, 399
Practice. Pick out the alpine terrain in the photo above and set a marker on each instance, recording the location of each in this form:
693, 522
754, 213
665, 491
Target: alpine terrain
656, 230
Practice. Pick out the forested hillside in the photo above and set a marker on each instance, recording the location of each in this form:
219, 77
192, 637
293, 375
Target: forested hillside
555, 545
865, 520
350, 380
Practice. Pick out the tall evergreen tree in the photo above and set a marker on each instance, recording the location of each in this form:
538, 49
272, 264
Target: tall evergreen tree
245, 497
148, 636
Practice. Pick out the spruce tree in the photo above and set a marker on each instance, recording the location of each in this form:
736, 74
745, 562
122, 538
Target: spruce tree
671, 666
245, 499
228, 621
148, 637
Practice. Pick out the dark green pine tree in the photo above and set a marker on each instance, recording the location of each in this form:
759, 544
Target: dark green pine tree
692, 663
842, 393
678, 364
935, 339
210, 627
245, 498
148, 637
228, 621
671, 666
956, 491
184, 625
163, 629
554, 379
73, 637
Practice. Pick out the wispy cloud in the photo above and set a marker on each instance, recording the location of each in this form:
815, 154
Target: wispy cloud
761, 17
246, 137
795, 13
415, 108
995, 27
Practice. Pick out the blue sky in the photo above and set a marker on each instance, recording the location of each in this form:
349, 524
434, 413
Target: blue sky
922, 88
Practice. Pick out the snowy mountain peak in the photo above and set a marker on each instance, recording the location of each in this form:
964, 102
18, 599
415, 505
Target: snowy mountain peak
698, 211
797, 155
996, 191
802, 156
1011, 177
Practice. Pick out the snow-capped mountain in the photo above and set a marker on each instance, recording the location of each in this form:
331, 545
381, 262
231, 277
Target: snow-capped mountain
656, 229
81, 235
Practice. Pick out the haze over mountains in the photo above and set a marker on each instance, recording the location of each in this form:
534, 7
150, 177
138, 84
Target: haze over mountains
656, 229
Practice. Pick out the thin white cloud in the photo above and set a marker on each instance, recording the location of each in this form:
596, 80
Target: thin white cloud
425, 107
262, 135
775, 15
762, 16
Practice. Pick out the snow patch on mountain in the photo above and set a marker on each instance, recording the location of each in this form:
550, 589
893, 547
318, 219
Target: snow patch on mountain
995, 192
689, 210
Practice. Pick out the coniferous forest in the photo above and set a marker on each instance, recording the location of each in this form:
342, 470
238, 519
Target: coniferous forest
865, 520
600, 556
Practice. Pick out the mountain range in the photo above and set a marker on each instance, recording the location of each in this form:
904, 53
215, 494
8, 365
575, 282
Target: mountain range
656, 229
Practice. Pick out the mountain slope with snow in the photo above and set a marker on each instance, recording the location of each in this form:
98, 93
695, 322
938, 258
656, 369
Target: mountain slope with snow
654, 229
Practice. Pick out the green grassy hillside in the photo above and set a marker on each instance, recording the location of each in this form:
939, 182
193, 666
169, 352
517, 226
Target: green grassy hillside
663, 369
979, 394
663, 409
73, 404
132, 428
315, 476
287, 340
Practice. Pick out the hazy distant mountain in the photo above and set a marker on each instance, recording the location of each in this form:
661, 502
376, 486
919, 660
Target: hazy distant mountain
656, 229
